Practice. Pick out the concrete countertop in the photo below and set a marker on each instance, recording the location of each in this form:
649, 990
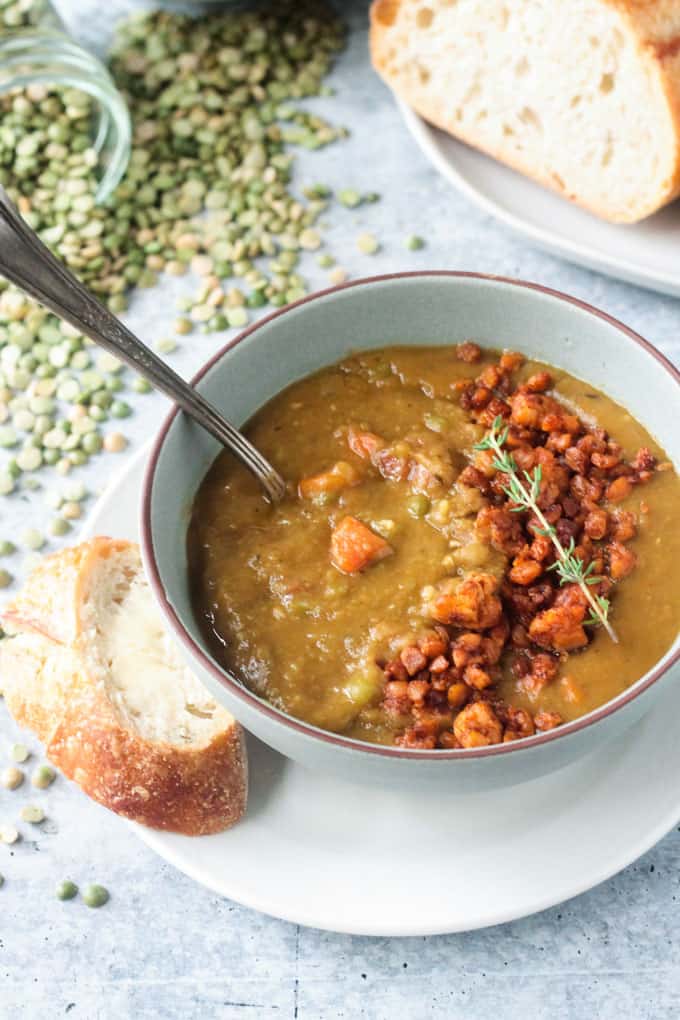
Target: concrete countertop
166, 947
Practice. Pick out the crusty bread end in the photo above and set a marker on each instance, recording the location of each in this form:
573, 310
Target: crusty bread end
92, 672
582, 95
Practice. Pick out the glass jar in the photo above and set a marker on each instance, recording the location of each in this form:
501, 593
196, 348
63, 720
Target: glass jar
35, 50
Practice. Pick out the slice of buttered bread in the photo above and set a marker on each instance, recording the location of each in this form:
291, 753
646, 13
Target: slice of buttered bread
583, 95
89, 667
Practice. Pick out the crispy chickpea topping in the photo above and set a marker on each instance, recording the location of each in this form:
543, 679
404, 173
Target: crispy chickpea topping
442, 686
478, 725
468, 352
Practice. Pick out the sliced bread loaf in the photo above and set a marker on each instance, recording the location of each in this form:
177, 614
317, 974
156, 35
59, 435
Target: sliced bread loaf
91, 670
583, 95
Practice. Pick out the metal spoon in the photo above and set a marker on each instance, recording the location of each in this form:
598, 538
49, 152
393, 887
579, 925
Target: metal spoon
26, 261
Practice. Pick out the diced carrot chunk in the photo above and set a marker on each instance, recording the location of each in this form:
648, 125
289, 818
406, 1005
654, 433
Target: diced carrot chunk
341, 476
364, 444
355, 547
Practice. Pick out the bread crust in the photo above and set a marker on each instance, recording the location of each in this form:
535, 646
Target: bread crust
51, 601
195, 792
655, 24
50, 688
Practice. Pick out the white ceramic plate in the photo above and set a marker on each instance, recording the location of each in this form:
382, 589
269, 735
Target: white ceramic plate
326, 854
646, 253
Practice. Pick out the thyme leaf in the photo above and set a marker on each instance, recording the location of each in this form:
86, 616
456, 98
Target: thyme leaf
523, 491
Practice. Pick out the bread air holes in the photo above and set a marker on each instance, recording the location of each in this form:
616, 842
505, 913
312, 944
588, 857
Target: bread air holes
385, 12
200, 713
522, 67
423, 75
608, 152
607, 83
424, 17
530, 118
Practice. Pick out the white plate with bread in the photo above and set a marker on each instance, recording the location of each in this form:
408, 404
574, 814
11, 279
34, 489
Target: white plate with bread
559, 118
309, 848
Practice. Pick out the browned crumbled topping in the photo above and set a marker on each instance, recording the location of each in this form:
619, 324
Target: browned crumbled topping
468, 351
473, 603
547, 720
444, 685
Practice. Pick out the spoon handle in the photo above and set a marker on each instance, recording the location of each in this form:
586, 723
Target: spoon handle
28, 263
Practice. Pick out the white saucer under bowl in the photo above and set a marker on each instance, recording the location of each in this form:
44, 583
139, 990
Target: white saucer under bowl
323, 853
646, 253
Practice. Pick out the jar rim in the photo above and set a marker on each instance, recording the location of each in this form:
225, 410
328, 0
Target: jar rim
49, 57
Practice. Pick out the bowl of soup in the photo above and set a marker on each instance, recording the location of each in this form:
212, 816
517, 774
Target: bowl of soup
468, 580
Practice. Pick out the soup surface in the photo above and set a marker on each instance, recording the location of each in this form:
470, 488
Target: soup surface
399, 594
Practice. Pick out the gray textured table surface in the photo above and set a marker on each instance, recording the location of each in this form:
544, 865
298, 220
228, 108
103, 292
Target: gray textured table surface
165, 947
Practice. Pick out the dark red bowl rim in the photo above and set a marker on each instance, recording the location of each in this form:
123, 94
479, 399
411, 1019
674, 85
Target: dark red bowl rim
241, 693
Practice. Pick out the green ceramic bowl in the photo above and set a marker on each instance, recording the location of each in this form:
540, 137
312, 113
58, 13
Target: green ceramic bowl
408, 308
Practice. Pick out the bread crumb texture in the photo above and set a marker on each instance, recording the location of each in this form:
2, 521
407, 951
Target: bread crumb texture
583, 95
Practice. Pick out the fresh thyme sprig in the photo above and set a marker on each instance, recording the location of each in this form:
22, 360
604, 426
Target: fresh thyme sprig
523, 489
